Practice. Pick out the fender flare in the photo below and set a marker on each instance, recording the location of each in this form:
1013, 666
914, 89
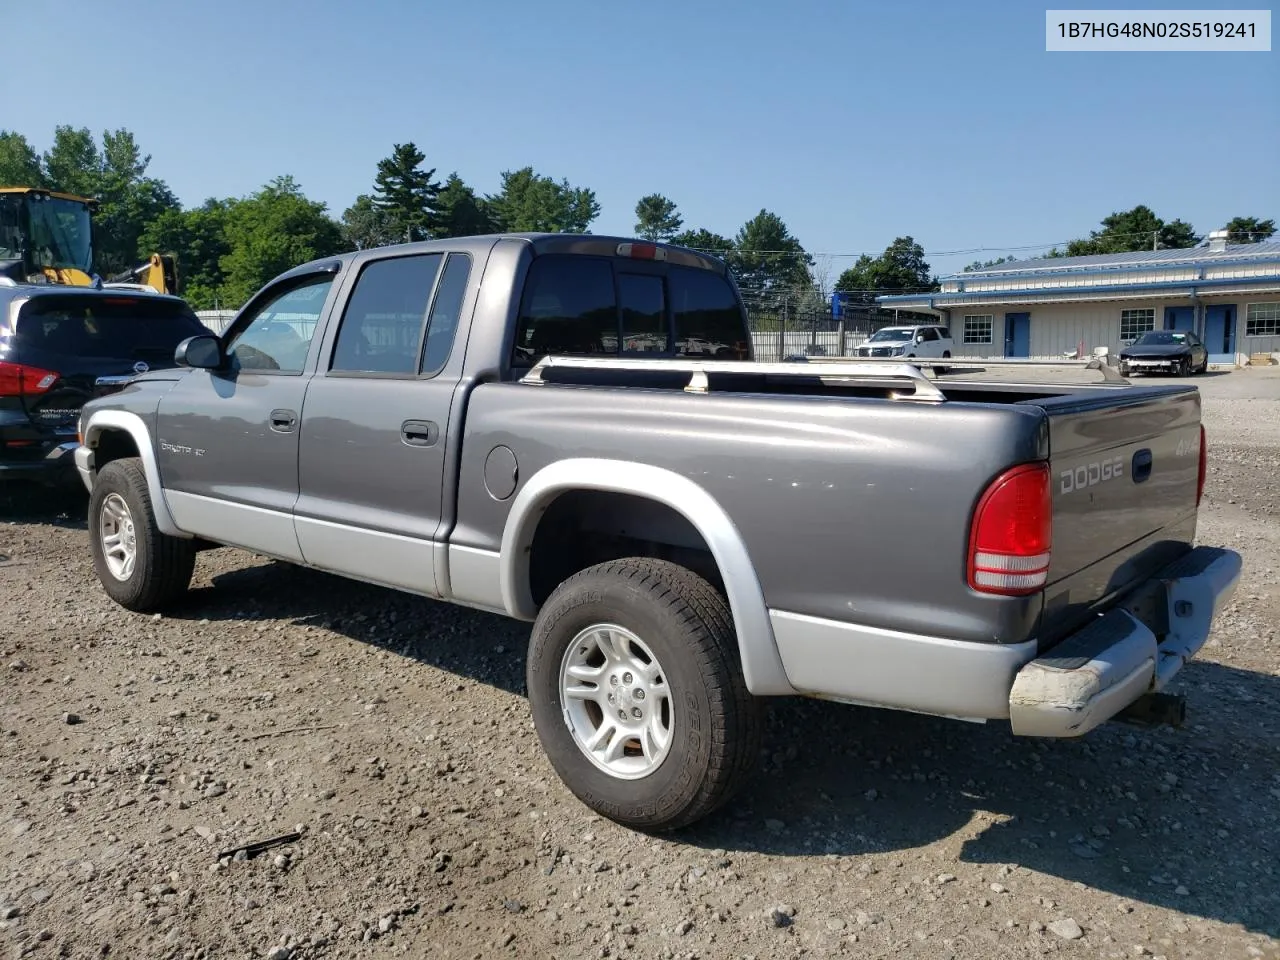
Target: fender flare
134, 425
761, 665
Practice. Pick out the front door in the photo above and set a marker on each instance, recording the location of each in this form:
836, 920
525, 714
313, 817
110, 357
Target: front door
1179, 318
1017, 334
228, 439
375, 423
1220, 332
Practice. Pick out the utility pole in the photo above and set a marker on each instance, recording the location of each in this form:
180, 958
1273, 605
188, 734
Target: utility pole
1155, 239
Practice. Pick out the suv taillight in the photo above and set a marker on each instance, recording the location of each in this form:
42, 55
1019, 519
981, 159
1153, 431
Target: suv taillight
1204, 463
1012, 533
18, 379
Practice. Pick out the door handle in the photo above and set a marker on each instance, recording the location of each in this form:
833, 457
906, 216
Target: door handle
283, 421
419, 433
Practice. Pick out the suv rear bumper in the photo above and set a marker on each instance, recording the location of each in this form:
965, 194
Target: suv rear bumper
50, 464
1134, 648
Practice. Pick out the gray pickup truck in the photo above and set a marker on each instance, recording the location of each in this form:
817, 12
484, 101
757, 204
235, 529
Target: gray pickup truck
571, 431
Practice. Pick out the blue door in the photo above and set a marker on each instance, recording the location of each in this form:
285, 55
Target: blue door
1017, 334
1179, 318
1220, 333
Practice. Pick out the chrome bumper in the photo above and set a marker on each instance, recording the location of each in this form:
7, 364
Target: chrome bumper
1130, 651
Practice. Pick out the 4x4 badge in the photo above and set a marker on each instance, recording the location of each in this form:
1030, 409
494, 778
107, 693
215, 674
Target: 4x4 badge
140, 367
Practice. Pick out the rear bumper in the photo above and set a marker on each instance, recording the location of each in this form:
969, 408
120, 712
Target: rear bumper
1133, 649
55, 464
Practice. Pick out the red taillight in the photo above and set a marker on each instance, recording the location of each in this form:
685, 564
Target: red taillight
1204, 462
642, 251
1012, 534
18, 379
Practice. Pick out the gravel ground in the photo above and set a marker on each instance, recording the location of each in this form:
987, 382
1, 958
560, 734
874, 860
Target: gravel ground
390, 735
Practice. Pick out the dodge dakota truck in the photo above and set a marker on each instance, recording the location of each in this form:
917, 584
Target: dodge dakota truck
519, 423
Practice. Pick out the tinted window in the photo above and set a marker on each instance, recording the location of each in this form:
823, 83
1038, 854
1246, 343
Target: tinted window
568, 308
929, 334
444, 313
382, 326
708, 320
644, 313
280, 333
124, 328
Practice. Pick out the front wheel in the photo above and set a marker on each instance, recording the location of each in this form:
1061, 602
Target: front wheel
638, 696
939, 371
140, 568
1184, 368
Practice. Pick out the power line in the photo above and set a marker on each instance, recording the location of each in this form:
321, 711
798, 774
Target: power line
969, 251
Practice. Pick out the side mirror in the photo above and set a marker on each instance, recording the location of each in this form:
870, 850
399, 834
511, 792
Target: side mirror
920, 338
203, 351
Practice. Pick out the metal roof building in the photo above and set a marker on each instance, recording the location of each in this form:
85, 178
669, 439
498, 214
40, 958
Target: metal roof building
1229, 294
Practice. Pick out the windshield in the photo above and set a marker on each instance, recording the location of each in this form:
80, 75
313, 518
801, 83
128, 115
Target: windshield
60, 234
1159, 337
891, 333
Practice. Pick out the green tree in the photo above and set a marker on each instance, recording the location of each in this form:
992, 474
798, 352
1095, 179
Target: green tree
532, 203
988, 264
1129, 230
19, 162
271, 231
459, 212
128, 201
704, 241
656, 218
768, 261
73, 164
1250, 230
365, 224
901, 268
197, 239
406, 192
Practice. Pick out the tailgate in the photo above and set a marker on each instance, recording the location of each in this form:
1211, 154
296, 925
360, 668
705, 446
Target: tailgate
1125, 469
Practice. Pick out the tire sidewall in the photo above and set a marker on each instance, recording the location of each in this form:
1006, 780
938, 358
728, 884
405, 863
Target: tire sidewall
114, 478
676, 782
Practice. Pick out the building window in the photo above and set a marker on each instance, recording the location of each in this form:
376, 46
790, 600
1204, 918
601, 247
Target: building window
1134, 323
1262, 320
977, 328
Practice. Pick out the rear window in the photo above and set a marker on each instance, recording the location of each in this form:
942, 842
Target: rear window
578, 306
106, 327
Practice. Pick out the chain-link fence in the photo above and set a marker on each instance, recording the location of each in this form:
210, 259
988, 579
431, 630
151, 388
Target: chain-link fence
806, 325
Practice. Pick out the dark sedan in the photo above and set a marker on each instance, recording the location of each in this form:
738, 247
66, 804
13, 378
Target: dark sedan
1165, 351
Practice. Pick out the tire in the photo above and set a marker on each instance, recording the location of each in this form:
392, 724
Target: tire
1184, 368
640, 606
939, 371
161, 567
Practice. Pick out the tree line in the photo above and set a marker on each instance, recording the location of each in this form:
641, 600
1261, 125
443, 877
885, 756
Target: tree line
227, 248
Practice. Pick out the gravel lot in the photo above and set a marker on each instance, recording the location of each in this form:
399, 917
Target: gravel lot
391, 733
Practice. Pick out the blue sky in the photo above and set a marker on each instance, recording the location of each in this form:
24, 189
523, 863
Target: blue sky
855, 122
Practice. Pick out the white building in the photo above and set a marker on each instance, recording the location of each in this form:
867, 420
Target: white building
1046, 308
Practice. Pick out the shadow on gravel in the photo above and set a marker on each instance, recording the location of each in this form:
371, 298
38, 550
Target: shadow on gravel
35, 503
1184, 819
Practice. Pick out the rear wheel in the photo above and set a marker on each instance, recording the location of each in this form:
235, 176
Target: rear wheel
638, 696
140, 568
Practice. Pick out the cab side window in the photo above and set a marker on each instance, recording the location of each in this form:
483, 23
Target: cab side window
277, 338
